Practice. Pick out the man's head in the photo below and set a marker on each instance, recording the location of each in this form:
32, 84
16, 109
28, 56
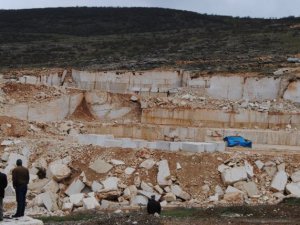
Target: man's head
153, 197
19, 162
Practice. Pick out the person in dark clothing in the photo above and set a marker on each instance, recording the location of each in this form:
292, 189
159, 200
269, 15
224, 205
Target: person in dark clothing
3, 185
153, 206
20, 178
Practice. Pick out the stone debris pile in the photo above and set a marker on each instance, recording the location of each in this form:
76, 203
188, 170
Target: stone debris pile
255, 183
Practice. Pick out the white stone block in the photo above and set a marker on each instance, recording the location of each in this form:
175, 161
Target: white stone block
163, 176
90, 203
110, 184
193, 147
75, 187
279, 181
76, 199
233, 175
294, 189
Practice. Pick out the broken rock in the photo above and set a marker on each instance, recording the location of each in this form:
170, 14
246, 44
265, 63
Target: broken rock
294, 189
90, 203
232, 175
100, 166
176, 190
296, 176
279, 181
163, 176
75, 187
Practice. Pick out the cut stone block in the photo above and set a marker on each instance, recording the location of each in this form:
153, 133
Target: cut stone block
193, 147
51, 186
139, 200
259, 164
249, 169
176, 190
67, 207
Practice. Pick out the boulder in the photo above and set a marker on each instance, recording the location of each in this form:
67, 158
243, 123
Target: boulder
51, 186
279, 181
248, 187
38, 185
169, 197
294, 189
96, 186
146, 187
176, 190
90, 203
130, 192
296, 176
147, 164
163, 176
58, 171
110, 184
50, 201
139, 200
76, 199
100, 166
232, 175
67, 207
222, 167
75, 187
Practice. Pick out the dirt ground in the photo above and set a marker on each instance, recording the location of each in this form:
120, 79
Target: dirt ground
286, 212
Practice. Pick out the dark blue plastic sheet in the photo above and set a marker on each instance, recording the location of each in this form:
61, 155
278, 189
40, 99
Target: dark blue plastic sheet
237, 141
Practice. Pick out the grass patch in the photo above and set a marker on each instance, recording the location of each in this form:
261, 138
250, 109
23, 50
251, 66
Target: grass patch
83, 216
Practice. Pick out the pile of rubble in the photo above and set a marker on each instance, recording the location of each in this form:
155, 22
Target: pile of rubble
262, 183
54, 189
195, 101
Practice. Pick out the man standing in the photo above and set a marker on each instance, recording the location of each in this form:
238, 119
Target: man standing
3, 185
20, 177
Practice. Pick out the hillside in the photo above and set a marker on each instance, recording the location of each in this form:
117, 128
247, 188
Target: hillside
143, 38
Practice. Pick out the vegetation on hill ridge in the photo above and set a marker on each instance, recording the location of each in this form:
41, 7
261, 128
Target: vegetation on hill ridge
143, 38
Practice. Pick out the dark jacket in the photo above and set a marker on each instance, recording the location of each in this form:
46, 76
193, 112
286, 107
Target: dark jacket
153, 206
3, 184
20, 176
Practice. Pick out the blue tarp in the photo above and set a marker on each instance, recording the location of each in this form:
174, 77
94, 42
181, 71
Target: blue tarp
237, 141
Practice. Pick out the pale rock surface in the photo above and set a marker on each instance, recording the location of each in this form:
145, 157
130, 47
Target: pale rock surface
67, 206
96, 186
100, 166
76, 199
294, 189
296, 176
51, 186
129, 170
170, 197
233, 175
139, 200
90, 203
249, 169
146, 187
176, 190
117, 162
130, 191
50, 201
248, 187
163, 176
58, 171
259, 164
147, 164
75, 187
110, 184
279, 181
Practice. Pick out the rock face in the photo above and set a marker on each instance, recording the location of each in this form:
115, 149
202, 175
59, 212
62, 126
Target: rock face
279, 181
232, 175
163, 176
59, 171
100, 166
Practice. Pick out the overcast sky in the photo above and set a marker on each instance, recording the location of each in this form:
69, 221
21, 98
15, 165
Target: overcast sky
253, 8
